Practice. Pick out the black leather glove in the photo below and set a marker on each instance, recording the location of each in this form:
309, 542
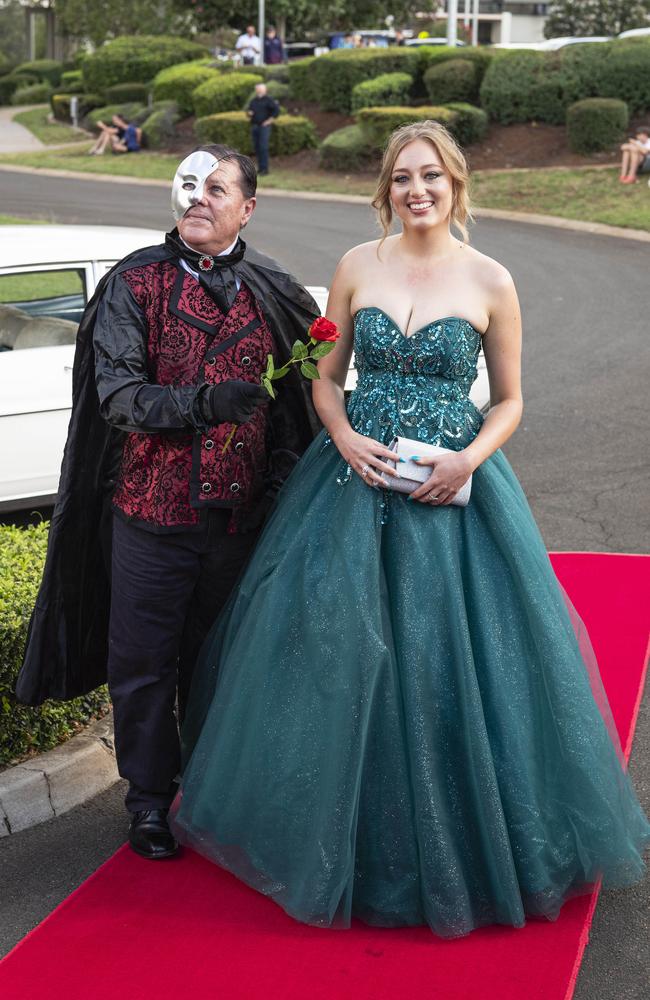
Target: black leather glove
233, 401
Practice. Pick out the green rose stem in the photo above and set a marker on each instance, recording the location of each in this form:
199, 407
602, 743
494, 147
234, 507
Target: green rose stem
301, 354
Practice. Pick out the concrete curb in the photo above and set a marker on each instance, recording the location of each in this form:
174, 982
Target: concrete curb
56, 781
551, 221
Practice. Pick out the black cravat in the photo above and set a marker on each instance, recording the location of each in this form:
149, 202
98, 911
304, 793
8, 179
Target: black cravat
216, 274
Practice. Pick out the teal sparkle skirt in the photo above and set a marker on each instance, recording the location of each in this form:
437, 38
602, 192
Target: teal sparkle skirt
393, 719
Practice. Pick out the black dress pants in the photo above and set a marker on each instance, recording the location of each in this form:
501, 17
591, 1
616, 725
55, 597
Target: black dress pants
166, 591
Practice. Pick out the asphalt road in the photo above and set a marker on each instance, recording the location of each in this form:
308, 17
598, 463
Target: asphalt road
580, 453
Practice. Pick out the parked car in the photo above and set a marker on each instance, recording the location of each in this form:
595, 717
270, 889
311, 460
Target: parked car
553, 44
47, 275
634, 33
437, 40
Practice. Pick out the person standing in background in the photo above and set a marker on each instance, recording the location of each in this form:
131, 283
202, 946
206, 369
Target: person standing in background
261, 111
249, 47
273, 50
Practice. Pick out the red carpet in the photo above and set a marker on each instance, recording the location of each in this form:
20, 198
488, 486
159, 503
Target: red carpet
184, 929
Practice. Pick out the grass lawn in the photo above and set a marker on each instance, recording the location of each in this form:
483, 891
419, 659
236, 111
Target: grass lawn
51, 133
586, 194
13, 220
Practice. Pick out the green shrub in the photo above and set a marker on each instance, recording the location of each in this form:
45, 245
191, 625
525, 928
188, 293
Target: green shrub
159, 128
435, 55
45, 70
33, 93
377, 124
278, 91
104, 114
140, 117
384, 91
338, 73
137, 59
10, 84
60, 104
452, 80
596, 123
346, 149
120, 93
470, 124
289, 133
71, 78
523, 86
302, 79
278, 73
23, 730
223, 93
619, 69
178, 83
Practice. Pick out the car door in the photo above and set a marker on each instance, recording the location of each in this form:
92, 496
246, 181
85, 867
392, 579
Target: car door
40, 309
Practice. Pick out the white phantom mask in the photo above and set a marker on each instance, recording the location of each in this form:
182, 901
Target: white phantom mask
189, 181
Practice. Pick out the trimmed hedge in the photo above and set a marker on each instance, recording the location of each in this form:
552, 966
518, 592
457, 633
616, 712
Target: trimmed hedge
60, 104
127, 111
289, 133
522, 86
223, 93
619, 69
159, 127
23, 730
33, 93
338, 72
387, 90
346, 149
278, 73
452, 80
469, 125
596, 123
71, 78
9, 85
121, 92
302, 79
178, 83
140, 117
434, 55
377, 124
126, 59
45, 70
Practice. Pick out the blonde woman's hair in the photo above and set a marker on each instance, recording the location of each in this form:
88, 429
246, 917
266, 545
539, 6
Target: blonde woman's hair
452, 159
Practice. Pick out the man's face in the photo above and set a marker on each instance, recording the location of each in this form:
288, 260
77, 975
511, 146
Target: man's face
260, 89
250, 30
213, 222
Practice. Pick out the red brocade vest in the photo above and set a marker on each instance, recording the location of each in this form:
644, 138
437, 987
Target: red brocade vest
166, 479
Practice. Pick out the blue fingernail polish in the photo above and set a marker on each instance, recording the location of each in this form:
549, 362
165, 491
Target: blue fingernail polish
401, 459
415, 458
409, 497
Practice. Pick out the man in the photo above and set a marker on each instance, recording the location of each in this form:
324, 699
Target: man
273, 51
167, 364
262, 110
248, 46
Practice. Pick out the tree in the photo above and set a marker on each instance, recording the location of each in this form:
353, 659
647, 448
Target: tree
595, 17
98, 20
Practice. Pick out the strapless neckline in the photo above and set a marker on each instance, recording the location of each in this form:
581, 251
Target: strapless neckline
422, 329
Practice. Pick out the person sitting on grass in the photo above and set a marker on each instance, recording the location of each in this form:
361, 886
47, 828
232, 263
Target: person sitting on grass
636, 155
122, 136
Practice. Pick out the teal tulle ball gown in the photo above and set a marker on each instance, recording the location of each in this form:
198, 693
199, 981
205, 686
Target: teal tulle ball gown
393, 719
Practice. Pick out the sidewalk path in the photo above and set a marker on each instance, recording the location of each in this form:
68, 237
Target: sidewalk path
15, 138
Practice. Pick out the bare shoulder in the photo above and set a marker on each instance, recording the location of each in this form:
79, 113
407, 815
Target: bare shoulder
362, 253
489, 272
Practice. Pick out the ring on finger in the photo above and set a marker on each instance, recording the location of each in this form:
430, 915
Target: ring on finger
431, 496
365, 469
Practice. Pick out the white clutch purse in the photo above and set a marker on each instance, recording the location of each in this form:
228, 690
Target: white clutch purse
413, 475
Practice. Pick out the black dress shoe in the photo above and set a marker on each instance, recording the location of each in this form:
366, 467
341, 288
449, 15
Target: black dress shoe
149, 834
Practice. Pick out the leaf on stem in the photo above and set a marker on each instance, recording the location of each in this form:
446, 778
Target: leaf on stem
322, 350
309, 370
299, 350
266, 382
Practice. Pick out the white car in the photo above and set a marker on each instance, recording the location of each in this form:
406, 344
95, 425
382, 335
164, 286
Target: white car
47, 275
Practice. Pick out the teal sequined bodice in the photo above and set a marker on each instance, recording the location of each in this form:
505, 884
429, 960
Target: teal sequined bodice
416, 386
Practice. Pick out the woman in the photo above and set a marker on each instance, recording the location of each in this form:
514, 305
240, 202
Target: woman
393, 719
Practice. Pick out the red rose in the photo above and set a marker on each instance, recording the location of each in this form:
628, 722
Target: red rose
324, 330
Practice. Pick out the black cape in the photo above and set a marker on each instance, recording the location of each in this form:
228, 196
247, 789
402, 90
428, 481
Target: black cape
67, 643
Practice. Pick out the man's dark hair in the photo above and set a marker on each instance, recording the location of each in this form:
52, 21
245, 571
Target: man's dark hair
247, 170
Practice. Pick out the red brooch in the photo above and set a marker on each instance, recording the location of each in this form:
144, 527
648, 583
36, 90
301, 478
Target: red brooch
206, 263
